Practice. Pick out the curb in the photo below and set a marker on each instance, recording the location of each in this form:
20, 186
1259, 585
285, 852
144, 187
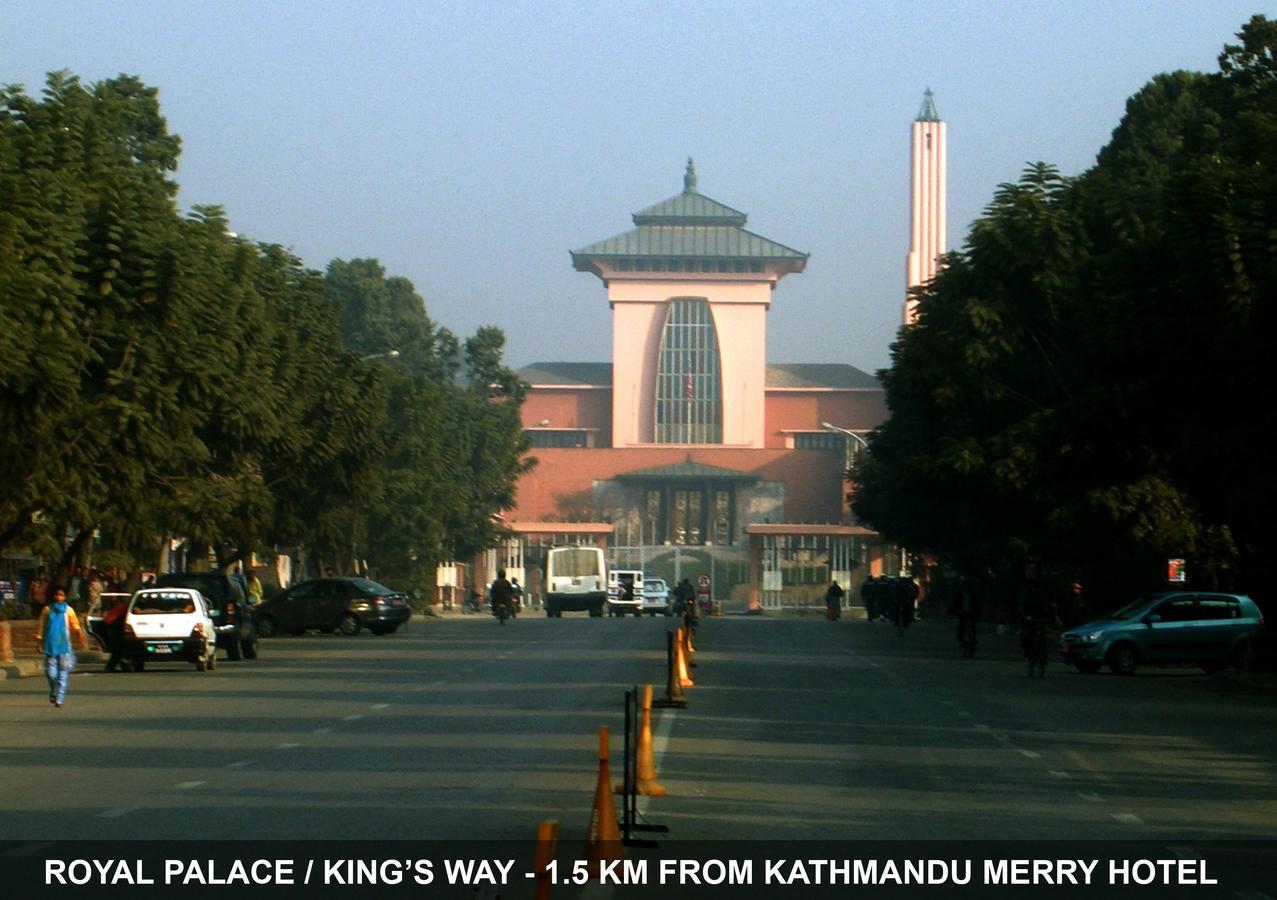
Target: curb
32, 666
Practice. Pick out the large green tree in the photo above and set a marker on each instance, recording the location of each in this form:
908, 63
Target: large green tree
1083, 384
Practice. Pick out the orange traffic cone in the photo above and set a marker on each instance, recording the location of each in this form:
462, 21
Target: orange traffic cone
684, 676
648, 786
688, 650
674, 696
547, 850
603, 837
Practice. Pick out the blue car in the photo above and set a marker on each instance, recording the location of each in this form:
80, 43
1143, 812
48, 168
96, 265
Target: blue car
1209, 630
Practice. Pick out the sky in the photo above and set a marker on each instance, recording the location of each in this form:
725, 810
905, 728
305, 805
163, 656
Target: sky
470, 146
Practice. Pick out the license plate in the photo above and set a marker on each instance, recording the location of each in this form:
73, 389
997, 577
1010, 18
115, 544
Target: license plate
161, 648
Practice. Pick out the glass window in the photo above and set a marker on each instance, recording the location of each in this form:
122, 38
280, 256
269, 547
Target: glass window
818, 440
688, 391
1218, 608
1181, 609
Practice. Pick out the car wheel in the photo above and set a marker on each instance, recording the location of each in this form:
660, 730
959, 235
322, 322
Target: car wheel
377, 629
1122, 659
1239, 658
250, 649
348, 624
234, 652
1087, 667
139, 665
391, 629
266, 626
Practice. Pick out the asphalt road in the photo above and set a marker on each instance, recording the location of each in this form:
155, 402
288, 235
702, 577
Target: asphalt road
796, 729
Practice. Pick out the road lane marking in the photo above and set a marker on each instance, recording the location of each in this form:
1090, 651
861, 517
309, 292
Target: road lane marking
1059, 773
964, 714
116, 813
1001, 737
1028, 753
187, 785
322, 731
288, 745
980, 727
1090, 797
1185, 852
352, 718
240, 764
1128, 819
380, 706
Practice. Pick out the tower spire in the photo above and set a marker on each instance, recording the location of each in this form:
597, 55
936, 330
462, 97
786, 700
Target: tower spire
689, 177
928, 112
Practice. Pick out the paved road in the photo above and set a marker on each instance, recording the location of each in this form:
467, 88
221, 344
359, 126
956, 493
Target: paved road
796, 728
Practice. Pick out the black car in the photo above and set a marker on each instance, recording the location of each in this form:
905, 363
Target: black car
233, 618
328, 604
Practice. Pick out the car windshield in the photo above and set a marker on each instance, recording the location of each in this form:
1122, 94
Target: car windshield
575, 562
371, 588
1129, 610
163, 603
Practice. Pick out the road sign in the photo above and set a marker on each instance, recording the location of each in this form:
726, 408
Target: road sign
1175, 571
702, 581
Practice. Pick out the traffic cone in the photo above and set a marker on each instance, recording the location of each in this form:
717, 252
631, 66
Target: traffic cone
547, 850
648, 786
688, 650
674, 696
684, 676
645, 765
603, 837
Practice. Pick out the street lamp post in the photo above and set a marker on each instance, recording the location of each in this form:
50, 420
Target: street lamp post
388, 354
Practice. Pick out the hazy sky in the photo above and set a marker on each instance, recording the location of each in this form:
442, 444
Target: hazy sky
470, 146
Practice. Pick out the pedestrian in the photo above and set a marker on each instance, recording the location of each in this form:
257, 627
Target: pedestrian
833, 601
59, 626
867, 598
965, 607
113, 622
93, 588
255, 590
901, 604
38, 592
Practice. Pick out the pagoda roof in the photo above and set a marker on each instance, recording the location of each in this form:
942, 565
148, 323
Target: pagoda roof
688, 225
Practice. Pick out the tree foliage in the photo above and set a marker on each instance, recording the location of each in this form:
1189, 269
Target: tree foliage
1083, 384
162, 378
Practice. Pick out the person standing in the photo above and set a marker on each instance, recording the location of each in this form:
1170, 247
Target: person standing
113, 622
833, 601
38, 593
59, 626
255, 590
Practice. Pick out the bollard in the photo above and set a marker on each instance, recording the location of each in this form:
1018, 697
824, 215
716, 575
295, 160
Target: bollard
674, 697
603, 836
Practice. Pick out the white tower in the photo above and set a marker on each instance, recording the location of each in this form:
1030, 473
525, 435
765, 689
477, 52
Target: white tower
927, 195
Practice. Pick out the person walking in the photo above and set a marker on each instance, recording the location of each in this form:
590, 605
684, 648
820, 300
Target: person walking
59, 626
255, 589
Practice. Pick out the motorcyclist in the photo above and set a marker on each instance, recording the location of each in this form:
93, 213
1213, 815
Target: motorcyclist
502, 594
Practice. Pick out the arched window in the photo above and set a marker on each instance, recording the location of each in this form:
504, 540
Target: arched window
689, 396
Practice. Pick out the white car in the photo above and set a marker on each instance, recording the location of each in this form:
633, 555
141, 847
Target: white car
170, 625
656, 597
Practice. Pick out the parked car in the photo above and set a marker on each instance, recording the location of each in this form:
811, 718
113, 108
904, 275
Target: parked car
232, 615
169, 625
1170, 627
327, 604
656, 597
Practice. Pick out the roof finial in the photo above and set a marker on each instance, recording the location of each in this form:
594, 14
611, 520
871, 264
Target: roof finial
928, 112
689, 177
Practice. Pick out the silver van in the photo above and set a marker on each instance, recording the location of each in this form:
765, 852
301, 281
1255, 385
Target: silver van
1170, 627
